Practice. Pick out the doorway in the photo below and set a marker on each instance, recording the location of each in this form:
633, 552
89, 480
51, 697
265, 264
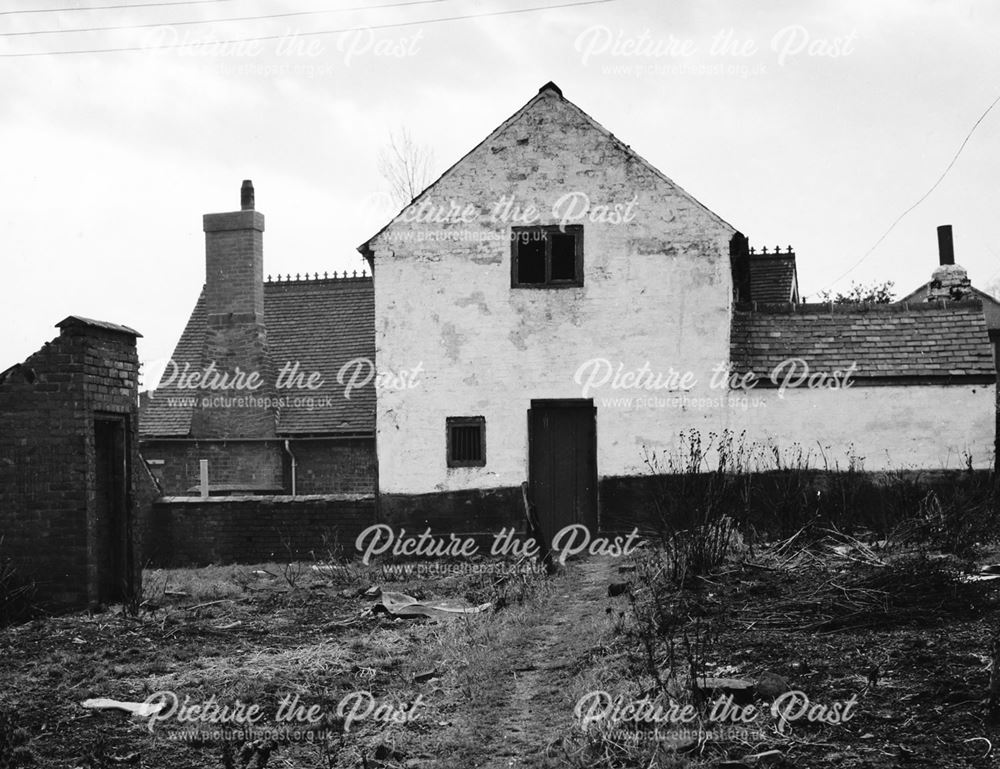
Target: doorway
113, 552
562, 463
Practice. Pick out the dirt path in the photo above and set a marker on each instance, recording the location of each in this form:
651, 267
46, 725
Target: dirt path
538, 708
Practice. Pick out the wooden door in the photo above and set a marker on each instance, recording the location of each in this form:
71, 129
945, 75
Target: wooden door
562, 464
113, 551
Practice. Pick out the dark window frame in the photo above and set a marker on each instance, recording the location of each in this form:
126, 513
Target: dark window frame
516, 236
450, 424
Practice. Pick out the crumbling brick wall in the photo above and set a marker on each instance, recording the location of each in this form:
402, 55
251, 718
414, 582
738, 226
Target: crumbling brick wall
329, 466
246, 464
195, 532
48, 491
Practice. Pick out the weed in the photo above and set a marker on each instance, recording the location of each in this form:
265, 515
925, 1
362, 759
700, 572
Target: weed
710, 492
16, 593
136, 598
154, 590
957, 520
292, 573
258, 751
695, 503
15, 748
292, 570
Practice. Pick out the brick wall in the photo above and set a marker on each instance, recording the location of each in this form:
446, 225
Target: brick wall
250, 464
196, 532
322, 466
778, 503
475, 511
775, 503
335, 467
48, 492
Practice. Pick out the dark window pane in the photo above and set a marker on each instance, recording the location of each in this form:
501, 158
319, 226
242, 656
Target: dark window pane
563, 256
531, 257
466, 443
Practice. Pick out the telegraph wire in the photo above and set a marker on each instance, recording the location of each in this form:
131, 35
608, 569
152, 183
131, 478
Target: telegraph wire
306, 34
112, 7
923, 197
214, 21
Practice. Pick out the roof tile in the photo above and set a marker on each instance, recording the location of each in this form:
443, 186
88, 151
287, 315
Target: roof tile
773, 277
883, 340
320, 324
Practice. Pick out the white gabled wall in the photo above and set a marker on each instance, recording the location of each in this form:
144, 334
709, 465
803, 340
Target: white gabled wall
656, 289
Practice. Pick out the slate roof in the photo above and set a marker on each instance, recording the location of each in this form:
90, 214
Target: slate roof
321, 324
773, 278
943, 341
991, 307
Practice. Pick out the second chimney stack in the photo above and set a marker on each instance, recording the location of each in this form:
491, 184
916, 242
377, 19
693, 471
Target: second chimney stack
946, 248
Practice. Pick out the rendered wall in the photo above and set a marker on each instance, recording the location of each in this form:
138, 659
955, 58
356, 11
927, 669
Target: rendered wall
657, 290
889, 428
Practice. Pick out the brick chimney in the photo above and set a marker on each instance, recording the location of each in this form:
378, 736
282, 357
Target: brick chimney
235, 334
949, 280
234, 259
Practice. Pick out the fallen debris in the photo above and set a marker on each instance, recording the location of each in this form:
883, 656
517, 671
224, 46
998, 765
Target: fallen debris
402, 605
740, 690
344, 622
767, 758
208, 603
228, 626
141, 709
770, 685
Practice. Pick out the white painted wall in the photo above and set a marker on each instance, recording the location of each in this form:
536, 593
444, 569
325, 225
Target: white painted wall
657, 290
891, 428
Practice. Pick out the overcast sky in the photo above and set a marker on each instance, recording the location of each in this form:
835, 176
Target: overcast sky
814, 124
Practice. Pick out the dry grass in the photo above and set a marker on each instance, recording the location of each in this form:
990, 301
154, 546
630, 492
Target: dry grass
837, 617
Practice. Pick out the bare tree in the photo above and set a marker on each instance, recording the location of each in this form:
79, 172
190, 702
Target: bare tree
405, 165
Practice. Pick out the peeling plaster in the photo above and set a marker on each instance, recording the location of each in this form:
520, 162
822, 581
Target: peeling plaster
453, 341
478, 299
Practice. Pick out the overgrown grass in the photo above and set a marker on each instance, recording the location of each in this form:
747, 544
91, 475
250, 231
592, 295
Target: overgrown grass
722, 508
16, 593
713, 494
15, 742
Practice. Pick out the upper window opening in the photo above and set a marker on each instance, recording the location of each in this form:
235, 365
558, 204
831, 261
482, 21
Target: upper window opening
547, 257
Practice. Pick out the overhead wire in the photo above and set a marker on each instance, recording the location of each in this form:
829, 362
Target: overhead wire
922, 198
263, 38
115, 7
187, 22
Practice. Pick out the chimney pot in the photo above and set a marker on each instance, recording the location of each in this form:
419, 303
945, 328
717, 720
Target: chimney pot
946, 247
246, 195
